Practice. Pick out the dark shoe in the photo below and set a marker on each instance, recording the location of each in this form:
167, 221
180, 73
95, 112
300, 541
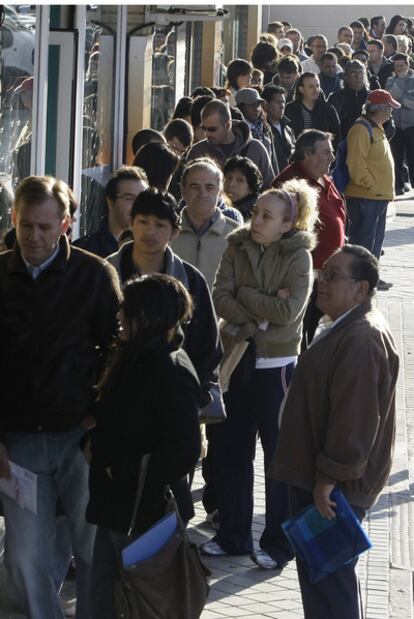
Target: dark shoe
384, 285
213, 520
265, 561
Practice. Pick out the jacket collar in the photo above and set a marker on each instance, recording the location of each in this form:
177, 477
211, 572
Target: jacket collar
358, 312
17, 265
217, 227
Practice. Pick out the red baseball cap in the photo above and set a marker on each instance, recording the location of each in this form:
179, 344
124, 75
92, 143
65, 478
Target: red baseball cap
379, 97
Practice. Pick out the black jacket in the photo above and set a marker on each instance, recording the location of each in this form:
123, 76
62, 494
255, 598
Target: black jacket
324, 118
284, 144
54, 331
150, 406
102, 242
348, 103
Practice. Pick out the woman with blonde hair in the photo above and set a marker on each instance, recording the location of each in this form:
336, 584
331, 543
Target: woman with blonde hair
261, 290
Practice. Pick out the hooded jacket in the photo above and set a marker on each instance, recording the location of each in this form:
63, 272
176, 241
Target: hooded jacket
244, 145
246, 285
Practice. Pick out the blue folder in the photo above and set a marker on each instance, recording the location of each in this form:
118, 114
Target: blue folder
151, 542
325, 546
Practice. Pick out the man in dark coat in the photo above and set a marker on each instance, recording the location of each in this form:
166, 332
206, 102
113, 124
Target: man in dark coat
283, 136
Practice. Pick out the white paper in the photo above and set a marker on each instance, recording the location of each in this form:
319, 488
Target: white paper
21, 487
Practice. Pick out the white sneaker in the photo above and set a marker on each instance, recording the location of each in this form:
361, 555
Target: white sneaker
212, 549
265, 561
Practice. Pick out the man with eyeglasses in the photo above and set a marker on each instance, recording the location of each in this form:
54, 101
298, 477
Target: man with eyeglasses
121, 190
338, 423
227, 138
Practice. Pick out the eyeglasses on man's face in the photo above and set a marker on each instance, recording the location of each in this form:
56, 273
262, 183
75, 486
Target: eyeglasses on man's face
329, 275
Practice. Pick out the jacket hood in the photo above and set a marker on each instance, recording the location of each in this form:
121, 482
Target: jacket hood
242, 132
288, 243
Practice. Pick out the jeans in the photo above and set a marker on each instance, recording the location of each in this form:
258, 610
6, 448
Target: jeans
338, 594
250, 409
106, 566
30, 539
367, 220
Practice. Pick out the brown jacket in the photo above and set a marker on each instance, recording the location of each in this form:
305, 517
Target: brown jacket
339, 420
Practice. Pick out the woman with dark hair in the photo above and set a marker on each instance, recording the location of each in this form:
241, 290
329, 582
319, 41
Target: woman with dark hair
397, 25
239, 75
135, 417
183, 109
243, 182
159, 163
264, 56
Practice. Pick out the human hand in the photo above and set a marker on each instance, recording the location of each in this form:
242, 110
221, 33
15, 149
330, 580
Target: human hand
321, 497
283, 293
4, 462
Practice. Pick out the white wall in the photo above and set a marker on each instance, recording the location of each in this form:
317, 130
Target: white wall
325, 19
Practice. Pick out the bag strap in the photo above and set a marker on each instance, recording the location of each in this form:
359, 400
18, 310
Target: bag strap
142, 476
367, 125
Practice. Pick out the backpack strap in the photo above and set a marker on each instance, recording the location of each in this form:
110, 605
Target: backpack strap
367, 124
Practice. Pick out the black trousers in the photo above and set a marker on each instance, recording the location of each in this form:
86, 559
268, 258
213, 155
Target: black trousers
338, 595
402, 147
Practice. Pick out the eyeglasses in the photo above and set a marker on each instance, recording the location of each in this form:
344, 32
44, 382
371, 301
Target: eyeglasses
332, 276
209, 129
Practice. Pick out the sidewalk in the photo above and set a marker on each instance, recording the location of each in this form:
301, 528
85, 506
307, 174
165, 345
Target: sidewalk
239, 589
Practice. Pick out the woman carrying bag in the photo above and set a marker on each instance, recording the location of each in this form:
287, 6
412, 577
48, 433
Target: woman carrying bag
148, 404
261, 290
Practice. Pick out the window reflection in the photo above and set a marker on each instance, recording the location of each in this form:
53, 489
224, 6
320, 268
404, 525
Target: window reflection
17, 43
163, 67
98, 111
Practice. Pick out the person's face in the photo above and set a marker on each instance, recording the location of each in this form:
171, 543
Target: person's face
346, 36
328, 68
358, 32
268, 224
244, 81
38, 229
400, 68
201, 190
276, 107
403, 46
317, 163
251, 111
177, 146
337, 292
375, 54
388, 48
318, 47
355, 79
400, 27
383, 115
279, 32
126, 192
152, 234
379, 28
310, 89
287, 80
286, 50
295, 38
215, 129
236, 185
257, 80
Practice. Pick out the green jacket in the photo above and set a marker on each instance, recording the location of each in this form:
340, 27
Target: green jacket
246, 285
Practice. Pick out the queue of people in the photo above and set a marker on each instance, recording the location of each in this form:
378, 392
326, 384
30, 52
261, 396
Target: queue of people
228, 222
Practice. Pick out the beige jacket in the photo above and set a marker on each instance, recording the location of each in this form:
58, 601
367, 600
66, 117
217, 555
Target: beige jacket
204, 252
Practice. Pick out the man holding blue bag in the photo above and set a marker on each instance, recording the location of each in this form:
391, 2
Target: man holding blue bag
338, 424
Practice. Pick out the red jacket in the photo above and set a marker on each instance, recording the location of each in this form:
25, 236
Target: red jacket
332, 215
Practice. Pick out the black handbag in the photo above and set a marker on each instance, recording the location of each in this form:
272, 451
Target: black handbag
215, 412
172, 584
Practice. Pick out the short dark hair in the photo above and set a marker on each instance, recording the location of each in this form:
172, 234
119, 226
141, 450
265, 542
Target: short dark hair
183, 107
145, 136
235, 68
263, 54
198, 104
289, 64
124, 173
401, 56
356, 24
306, 142
161, 204
328, 56
249, 169
376, 19
391, 39
342, 28
377, 43
359, 52
364, 265
201, 91
180, 129
270, 90
273, 26
159, 163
